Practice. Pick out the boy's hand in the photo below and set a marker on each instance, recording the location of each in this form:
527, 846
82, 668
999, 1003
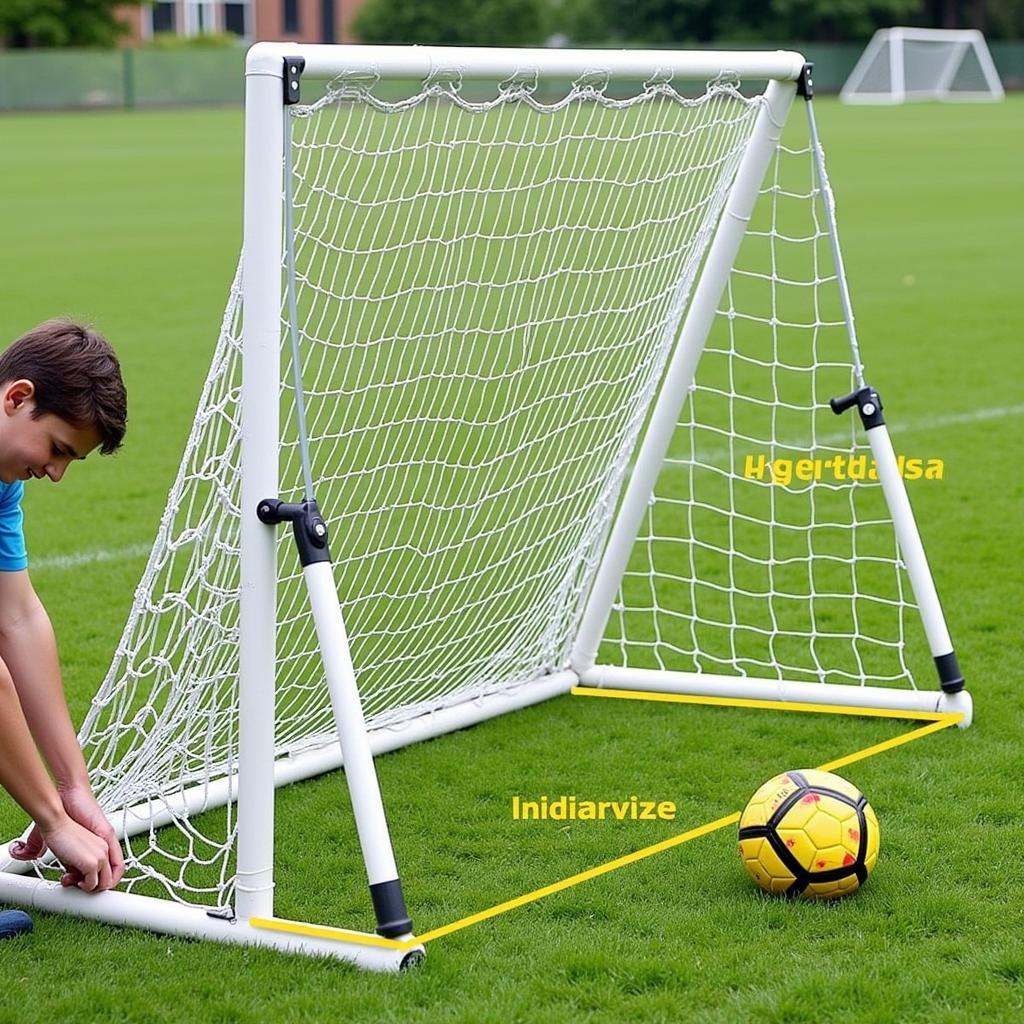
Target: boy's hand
81, 807
83, 854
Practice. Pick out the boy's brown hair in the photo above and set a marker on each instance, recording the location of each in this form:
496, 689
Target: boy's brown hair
76, 376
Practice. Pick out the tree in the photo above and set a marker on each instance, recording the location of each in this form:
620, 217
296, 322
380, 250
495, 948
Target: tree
61, 22
689, 22
482, 22
998, 19
839, 22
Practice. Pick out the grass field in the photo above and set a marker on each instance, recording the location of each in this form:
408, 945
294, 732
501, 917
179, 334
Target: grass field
134, 221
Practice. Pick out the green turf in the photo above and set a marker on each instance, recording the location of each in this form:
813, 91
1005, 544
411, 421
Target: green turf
133, 220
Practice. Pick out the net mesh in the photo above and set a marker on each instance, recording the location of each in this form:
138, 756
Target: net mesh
768, 549
493, 289
487, 295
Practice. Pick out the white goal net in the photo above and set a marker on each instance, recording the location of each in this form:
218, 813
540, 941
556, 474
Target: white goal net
488, 292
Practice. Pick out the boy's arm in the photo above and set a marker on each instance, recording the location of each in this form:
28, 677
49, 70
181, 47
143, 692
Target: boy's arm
21, 771
29, 648
85, 855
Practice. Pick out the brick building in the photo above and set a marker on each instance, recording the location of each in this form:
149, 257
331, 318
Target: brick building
311, 21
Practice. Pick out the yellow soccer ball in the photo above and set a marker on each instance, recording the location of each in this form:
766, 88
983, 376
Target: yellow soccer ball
809, 833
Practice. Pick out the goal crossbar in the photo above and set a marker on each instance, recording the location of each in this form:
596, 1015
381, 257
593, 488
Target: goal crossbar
421, 63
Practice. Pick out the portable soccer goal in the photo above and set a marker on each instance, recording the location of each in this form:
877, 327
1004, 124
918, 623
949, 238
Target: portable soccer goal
552, 351
903, 64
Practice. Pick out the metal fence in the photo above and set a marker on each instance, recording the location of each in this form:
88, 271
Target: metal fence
78, 79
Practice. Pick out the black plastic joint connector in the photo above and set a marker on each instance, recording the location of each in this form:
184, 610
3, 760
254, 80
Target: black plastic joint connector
307, 524
868, 402
293, 68
389, 907
950, 677
805, 83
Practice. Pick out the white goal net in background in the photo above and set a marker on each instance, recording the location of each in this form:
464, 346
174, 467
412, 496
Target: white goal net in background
906, 64
488, 295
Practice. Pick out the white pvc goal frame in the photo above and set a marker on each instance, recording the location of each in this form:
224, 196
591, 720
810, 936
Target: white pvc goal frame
958, 44
270, 69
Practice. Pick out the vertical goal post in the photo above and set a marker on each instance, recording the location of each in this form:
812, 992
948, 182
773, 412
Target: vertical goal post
488, 554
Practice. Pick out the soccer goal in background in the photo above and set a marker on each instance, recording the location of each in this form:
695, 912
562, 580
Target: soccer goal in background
529, 337
904, 64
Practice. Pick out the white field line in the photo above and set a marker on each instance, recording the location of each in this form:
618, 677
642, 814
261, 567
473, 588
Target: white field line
956, 419
61, 563
721, 456
897, 427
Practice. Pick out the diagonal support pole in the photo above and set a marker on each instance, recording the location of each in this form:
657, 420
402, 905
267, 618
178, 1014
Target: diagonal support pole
869, 405
371, 824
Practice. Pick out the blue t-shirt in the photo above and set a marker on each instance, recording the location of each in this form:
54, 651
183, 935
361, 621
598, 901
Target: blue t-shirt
13, 556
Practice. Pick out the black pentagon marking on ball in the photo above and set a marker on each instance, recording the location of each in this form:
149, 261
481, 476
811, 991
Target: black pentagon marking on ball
835, 874
802, 876
795, 797
796, 869
861, 863
798, 886
782, 851
841, 797
776, 843
783, 809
